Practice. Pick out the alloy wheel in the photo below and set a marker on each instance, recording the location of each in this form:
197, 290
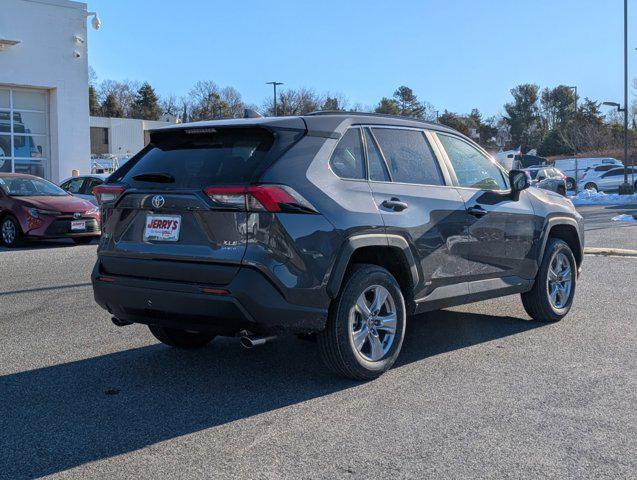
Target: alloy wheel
373, 322
8, 232
559, 281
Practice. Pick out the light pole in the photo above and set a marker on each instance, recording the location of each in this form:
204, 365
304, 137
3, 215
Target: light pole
274, 85
575, 143
625, 188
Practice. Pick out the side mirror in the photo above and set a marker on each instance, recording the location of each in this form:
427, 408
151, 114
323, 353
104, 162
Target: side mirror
519, 181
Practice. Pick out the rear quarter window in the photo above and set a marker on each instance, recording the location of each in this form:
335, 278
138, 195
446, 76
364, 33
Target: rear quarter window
347, 160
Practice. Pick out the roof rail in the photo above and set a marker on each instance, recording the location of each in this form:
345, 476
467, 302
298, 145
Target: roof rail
365, 114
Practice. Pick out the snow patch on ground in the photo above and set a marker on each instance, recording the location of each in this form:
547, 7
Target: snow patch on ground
624, 217
591, 197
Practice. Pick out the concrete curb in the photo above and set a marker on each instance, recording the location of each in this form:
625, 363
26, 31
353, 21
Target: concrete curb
615, 252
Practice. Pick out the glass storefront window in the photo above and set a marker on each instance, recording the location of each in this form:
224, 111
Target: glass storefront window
29, 123
24, 131
4, 98
5, 145
29, 100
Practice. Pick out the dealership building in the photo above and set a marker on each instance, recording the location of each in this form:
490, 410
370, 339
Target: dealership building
45, 127
44, 121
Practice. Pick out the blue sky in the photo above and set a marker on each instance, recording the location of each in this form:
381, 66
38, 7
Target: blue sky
456, 54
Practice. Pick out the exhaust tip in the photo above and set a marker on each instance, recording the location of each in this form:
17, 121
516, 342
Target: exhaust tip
251, 341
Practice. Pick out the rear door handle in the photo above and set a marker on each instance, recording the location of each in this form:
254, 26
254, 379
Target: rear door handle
477, 211
395, 204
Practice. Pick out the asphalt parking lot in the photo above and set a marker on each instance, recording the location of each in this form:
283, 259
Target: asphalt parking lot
479, 391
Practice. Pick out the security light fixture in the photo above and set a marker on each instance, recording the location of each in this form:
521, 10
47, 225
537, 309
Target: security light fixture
6, 43
96, 22
614, 104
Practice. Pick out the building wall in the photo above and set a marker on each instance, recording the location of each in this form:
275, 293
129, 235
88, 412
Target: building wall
45, 59
125, 135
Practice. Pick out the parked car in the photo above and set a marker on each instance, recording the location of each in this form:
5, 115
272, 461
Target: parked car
82, 186
608, 181
357, 221
567, 166
548, 178
526, 161
31, 207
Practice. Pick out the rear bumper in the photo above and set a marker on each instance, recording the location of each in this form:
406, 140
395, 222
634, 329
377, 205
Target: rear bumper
251, 303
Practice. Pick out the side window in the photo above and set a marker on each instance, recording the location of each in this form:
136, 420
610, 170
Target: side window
347, 160
375, 162
409, 156
472, 167
90, 184
74, 185
614, 173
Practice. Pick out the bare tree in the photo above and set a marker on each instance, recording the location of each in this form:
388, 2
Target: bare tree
170, 105
295, 102
232, 98
124, 92
206, 102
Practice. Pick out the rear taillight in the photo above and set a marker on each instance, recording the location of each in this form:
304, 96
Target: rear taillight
260, 198
107, 193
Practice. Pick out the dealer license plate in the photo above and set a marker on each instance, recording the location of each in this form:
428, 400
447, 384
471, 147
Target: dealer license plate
163, 228
78, 225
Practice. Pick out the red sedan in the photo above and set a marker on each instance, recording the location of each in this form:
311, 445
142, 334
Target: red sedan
31, 207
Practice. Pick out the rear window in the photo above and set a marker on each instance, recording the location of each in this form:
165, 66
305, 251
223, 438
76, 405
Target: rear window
201, 157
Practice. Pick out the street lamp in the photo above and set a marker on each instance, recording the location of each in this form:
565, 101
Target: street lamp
626, 188
575, 143
274, 85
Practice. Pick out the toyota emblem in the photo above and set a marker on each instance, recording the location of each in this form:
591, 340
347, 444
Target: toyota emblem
77, 215
158, 201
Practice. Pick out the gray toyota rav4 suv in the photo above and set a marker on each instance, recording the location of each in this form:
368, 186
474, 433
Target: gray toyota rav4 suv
334, 226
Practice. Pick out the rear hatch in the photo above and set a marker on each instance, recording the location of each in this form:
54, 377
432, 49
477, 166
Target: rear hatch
161, 220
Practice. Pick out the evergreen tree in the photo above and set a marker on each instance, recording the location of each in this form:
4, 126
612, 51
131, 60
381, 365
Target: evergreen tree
388, 106
523, 115
93, 104
111, 107
332, 103
454, 121
408, 103
146, 103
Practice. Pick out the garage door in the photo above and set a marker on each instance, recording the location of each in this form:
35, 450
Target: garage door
24, 131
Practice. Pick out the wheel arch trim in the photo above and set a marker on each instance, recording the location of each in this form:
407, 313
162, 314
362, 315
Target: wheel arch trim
356, 242
556, 221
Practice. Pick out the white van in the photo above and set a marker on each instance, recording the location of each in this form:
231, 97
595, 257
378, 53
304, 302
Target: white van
567, 166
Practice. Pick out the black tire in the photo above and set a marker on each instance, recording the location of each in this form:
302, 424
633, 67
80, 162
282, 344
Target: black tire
174, 337
335, 345
82, 240
591, 186
11, 241
537, 301
570, 183
561, 190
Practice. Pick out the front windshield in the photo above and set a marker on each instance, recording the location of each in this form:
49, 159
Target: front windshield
30, 187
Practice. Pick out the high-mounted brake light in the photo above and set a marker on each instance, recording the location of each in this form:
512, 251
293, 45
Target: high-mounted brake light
107, 193
260, 198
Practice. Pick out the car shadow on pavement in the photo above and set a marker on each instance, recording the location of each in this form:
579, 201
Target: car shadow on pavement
59, 417
42, 244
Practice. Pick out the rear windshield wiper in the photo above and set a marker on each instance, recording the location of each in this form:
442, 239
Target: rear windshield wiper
157, 177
